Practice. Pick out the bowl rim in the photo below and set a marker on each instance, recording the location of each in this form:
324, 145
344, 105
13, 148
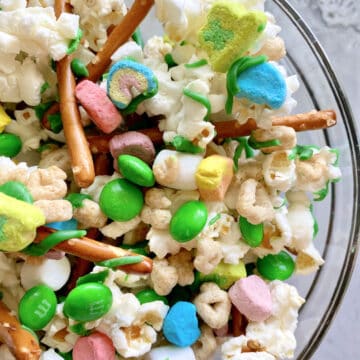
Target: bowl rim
342, 102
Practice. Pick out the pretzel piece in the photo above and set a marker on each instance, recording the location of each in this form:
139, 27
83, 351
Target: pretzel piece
21, 342
313, 120
118, 36
95, 251
81, 160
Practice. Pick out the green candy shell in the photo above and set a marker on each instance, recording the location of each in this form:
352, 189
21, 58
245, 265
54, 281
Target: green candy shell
121, 200
10, 145
276, 267
136, 170
188, 221
37, 307
17, 190
88, 302
149, 295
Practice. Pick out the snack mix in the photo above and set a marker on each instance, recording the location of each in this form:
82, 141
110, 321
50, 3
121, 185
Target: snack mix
154, 199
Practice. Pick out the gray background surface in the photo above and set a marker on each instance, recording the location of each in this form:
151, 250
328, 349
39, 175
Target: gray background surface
336, 23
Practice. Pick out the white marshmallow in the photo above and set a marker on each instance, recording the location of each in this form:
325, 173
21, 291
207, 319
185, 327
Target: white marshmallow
53, 273
170, 353
176, 170
50, 355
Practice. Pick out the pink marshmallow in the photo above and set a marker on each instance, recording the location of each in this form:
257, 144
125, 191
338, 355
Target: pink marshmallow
98, 106
252, 297
96, 346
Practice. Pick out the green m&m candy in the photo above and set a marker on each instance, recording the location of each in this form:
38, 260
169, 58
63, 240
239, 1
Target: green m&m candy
136, 170
188, 221
252, 234
37, 307
276, 267
17, 190
120, 200
149, 295
88, 302
10, 145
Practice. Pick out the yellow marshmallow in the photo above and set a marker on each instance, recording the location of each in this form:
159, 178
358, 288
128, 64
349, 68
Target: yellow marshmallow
18, 223
4, 119
213, 177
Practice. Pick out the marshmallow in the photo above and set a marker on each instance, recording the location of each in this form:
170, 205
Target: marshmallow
176, 170
213, 177
181, 325
252, 297
53, 273
50, 355
170, 353
262, 84
230, 31
128, 81
18, 223
98, 106
97, 346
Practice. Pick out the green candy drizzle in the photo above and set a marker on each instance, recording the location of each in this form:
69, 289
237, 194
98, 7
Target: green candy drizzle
99, 277
74, 43
55, 122
196, 64
41, 109
170, 60
79, 68
79, 329
121, 261
303, 152
182, 144
243, 145
139, 99
263, 144
214, 219
137, 37
321, 194
235, 70
51, 241
77, 199
203, 100
44, 87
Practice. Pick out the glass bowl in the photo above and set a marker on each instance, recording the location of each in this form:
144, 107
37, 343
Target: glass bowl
338, 214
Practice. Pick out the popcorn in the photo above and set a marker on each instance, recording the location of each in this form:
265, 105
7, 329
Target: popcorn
283, 321
33, 31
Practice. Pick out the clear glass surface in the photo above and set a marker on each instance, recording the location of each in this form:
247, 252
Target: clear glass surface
338, 214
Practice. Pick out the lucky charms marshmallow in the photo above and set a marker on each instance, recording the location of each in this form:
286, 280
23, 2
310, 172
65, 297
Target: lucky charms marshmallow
154, 198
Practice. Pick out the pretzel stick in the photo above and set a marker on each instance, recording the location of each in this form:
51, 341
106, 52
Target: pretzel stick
20, 341
118, 36
95, 251
80, 155
313, 120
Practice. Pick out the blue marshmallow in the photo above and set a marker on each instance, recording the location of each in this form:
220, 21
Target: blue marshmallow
63, 225
181, 326
262, 84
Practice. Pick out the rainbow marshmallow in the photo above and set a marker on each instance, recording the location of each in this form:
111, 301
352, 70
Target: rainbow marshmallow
229, 32
129, 83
